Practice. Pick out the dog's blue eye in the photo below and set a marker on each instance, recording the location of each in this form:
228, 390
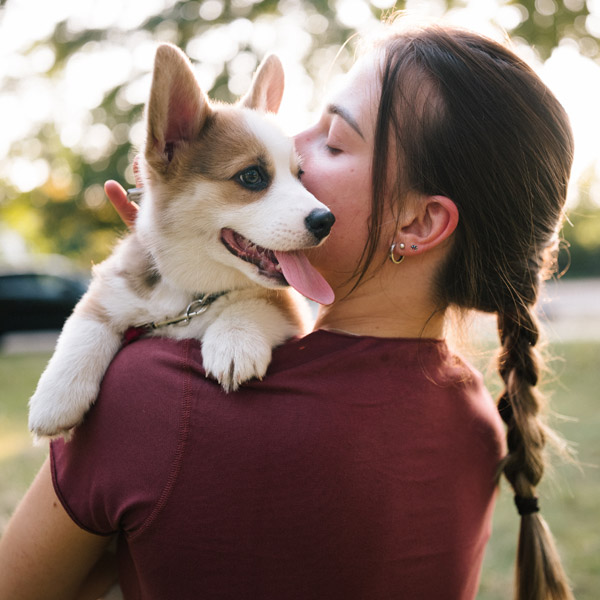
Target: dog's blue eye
253, 178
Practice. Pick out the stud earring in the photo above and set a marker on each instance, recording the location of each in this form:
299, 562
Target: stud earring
413, 247
392, 257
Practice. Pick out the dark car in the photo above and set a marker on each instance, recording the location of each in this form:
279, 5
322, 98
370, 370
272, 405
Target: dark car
31, 301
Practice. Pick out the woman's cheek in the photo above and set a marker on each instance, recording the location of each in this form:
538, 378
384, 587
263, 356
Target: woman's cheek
315, 183
339, 255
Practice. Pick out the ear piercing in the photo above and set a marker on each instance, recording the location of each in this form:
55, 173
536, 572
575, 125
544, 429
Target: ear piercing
392, 257
401, 245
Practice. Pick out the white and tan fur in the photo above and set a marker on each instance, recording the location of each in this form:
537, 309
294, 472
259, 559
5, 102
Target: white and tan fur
193, 156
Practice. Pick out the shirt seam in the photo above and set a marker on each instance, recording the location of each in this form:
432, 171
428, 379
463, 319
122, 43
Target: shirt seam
65, 504
183, 435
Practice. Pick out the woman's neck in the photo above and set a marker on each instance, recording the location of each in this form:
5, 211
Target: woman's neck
380, 310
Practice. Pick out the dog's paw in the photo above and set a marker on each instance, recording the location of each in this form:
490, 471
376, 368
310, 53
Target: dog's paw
46, 422
54, 413
234, 357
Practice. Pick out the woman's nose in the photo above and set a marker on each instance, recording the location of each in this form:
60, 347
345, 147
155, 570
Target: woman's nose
299, 140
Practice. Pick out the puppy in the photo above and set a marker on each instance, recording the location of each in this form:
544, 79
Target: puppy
215, 245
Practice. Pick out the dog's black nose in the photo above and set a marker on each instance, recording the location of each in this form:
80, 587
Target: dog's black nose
319, 222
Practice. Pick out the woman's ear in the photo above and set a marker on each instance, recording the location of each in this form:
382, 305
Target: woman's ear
434, 219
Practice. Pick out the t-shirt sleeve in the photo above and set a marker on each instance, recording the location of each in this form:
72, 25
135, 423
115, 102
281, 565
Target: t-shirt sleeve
117, 466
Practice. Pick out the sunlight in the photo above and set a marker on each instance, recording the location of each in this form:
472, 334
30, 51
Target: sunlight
576, 82
27, 175
353, 13
110, 65
210, 10
32, 99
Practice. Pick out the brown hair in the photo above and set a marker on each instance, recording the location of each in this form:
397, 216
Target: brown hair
471, 121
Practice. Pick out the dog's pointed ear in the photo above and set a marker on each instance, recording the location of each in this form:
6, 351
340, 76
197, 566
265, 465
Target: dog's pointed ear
266, 90
177, 109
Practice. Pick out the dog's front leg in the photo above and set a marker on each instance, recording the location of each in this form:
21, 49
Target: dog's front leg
237, 346
71, 381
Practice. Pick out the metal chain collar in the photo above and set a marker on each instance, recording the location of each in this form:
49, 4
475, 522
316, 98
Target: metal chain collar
194, 308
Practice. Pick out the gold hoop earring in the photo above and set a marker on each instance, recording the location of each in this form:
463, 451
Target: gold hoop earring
392, 257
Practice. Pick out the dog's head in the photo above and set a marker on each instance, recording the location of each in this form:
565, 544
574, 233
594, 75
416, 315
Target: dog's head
223, 200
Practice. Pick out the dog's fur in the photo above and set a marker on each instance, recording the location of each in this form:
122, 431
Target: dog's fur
198, 159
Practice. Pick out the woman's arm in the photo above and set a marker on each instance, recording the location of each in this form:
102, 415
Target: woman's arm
43, 553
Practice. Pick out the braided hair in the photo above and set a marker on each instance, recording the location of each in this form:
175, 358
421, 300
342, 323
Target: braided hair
471, 121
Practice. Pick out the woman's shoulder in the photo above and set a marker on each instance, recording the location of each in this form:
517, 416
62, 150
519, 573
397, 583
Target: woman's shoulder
323, 344
152, 358
142, 388
125, 448
425, 376
368, 358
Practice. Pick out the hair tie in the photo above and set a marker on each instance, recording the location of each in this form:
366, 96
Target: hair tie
527, 506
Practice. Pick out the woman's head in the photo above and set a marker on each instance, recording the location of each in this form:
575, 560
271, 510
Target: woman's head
470, 121
337, 159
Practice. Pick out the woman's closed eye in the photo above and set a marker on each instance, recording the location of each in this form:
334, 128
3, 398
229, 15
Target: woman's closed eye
334, 142
336, 139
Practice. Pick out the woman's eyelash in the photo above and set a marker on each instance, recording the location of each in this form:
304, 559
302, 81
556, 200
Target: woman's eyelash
332, 150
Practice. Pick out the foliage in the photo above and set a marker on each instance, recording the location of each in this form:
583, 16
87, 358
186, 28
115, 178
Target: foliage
68, 214
547, 22
581, 254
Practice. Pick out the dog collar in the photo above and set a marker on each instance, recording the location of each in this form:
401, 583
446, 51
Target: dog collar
194, 308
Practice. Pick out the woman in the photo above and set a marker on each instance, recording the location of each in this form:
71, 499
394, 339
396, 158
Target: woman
364, 465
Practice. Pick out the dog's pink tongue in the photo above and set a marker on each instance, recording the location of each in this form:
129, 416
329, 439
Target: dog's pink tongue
302, 276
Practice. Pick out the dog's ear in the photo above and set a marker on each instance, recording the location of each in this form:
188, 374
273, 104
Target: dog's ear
266, 90
177, 108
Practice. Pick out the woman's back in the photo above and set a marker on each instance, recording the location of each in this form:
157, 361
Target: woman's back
360, 467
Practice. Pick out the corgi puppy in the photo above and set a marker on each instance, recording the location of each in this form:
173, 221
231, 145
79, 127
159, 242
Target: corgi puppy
215, 245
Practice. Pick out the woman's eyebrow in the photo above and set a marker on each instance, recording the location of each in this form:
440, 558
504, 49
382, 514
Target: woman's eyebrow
336, 109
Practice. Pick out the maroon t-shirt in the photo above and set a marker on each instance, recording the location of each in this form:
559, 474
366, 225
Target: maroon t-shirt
359, 468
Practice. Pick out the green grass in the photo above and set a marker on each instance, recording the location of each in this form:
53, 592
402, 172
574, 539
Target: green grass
19, 459
570, 495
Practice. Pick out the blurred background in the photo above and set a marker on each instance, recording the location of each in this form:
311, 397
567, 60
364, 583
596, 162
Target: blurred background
74, 76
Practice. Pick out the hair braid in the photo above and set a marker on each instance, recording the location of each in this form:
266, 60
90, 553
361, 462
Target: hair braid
539, 573
519, 368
